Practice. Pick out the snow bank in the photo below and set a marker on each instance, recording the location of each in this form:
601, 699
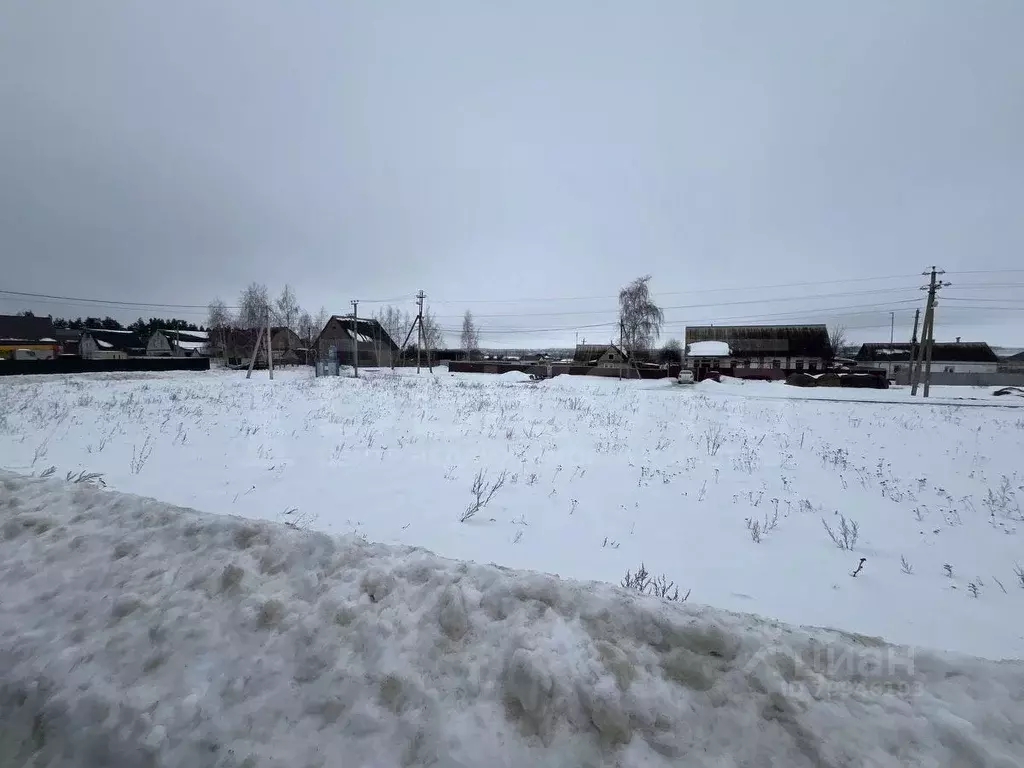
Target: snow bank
513, 376
136, 633
708, 349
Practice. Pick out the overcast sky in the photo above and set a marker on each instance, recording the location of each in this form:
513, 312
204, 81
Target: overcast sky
489, 153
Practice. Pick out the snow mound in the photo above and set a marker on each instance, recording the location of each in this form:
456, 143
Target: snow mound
137, 633
513, 376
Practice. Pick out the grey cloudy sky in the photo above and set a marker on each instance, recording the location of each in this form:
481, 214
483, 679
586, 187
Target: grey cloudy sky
491, 152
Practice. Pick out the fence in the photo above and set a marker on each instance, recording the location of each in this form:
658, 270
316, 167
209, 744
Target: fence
81, 365
967, 379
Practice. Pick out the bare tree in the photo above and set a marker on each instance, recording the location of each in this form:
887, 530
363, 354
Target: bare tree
672, 352
470, 334
640, 318
320, 320
433, 338
218, 321
836, 340
288, 308
254, 306
306, 330
394, 322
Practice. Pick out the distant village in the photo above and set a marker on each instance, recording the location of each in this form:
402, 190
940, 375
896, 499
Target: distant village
744, 351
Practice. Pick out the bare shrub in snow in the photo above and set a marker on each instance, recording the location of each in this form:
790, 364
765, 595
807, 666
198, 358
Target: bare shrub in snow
758, 528
948, 570
974, 589
1003, 501
906, 567
749, 459
845, 537
713, 438
1019, 573
660, 586
140, 456
88, 478
48, 472
483, 491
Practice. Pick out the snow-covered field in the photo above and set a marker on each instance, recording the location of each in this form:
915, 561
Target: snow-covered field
725, 489
134, 633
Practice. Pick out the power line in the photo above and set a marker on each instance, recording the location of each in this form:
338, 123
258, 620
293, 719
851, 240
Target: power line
985, 271
679, 293
695, 306
103, 302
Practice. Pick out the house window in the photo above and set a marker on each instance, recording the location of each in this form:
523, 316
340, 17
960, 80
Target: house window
746, 363
799, 365
949, 369
812, 366
897, 368
776, 363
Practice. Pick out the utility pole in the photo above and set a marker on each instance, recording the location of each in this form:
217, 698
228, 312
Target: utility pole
255, 352
913, 346
355, 336
928, 332
892, 338
419, 327
270, 350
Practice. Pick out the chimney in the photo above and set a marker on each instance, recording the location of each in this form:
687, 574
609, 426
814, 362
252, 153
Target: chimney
957, 339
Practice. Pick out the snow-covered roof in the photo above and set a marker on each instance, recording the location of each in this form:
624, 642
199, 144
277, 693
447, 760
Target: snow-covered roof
103, 345
359, 336
708, 349
169, 333
50, 341
190, 344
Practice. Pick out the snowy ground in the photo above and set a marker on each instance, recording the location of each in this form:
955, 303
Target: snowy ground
135, 633
725, 489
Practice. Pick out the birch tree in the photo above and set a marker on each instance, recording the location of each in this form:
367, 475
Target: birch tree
470, 334
288, 308
254, 306
640, 318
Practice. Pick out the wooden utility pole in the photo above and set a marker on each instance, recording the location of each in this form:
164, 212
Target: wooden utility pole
924, 357
255, 352
270, 348
355, 336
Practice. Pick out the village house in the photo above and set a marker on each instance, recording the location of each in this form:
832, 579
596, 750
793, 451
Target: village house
344, 339
176, 343
599, 356
947, 357
27, 337
758, 351
240, 342
68, 340
1013, 363
103, 344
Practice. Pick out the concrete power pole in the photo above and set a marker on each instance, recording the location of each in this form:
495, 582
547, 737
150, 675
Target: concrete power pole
924, 357
419, 327
913, 346
270, 350
355, 336
892, 338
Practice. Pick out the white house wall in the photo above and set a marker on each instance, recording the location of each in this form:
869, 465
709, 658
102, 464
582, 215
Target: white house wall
955, 366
